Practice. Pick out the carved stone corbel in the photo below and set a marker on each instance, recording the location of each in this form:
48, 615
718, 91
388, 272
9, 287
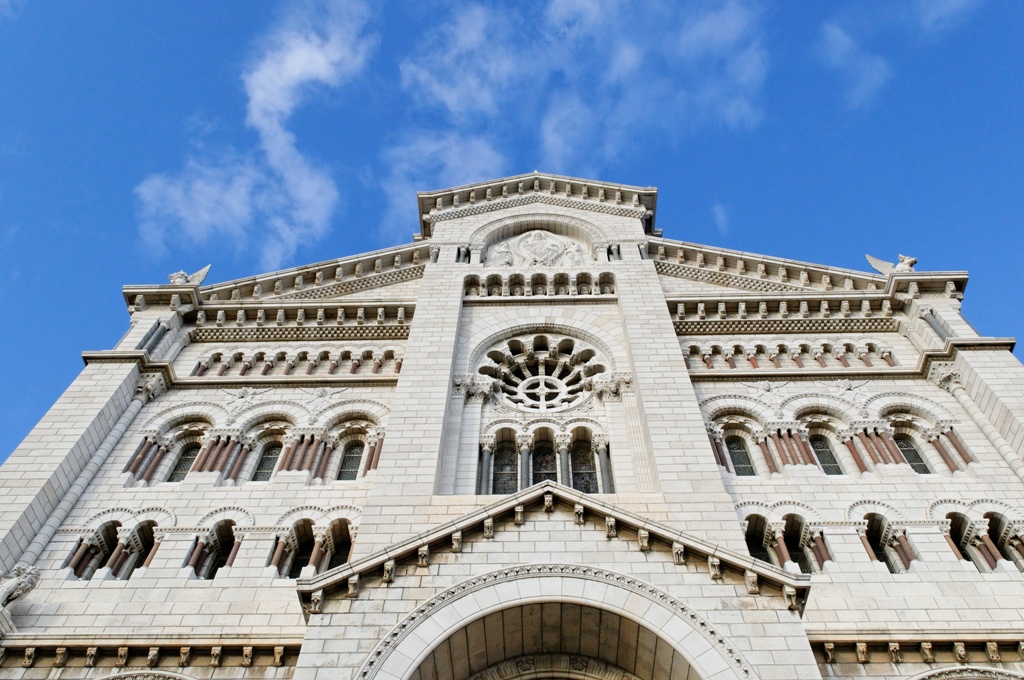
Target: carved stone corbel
714, 567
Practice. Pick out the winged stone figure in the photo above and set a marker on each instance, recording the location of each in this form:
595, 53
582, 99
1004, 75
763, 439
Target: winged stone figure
906, 264
180, 278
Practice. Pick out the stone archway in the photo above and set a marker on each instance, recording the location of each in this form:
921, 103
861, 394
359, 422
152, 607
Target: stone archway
544, 666
525, 612
968, 673
553, 640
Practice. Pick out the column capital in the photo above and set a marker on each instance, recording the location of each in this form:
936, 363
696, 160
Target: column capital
151, 386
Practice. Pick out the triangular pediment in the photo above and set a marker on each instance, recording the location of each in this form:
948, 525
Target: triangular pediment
720, 269
620, 524
537, 188
332, 279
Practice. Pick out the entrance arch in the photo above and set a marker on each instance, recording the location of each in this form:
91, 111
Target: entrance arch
532, 615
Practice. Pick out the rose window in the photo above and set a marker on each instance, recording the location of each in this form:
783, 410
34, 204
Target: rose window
541, 373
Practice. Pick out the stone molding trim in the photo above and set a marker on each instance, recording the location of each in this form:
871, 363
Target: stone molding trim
378, 657
147, 675
542, 666
576, 201
300, 333
240, 516
975, 509
368, 282
795, 588
967, 673
480, 345
777, 326
718, 278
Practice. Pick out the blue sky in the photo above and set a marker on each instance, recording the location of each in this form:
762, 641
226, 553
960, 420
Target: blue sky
137, 139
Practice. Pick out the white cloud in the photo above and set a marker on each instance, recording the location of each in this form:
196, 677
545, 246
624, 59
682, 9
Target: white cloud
936, 15
565, 129
428, 161
276, 196
721, 216
583, 87
205, 200
466, 65
865, 73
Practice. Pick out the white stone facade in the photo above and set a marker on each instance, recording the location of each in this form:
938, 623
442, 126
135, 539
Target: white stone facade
541, 441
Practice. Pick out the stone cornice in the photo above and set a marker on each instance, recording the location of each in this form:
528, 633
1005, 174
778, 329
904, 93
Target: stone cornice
536, 187
920, 371
357, 285
166, 371
517, 300
299, 333
371, 565
761, 273
773, 327
559, 201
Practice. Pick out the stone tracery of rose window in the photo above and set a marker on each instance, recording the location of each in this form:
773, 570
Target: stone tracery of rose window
542, 373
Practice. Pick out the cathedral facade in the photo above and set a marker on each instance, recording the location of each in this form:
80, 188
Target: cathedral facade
540, 441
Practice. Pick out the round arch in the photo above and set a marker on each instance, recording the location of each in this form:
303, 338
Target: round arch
967, 673
475, 347
554, 592
563, 225
544, 666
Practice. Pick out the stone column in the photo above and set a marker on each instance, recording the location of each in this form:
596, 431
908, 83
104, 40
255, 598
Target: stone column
951, 381
562, 442
862, 532
483, 484
525, 442
605, 463
952, 543
319, 536
147, 389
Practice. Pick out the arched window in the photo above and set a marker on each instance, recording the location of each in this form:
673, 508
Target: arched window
184, 463
793, 535
544, 462
998, 535
877, 524
506, 468
826, 459
757, 529
137, 555
220, 550
959, 527
584, 469
910, 452
267, 463
350, 460
94, 552
341, 539
304, 539
740, 457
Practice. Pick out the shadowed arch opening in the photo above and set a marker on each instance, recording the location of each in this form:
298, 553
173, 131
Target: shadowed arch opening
553, 639
532, 610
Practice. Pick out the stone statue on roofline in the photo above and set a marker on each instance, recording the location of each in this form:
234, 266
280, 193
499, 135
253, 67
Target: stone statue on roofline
905, 264
180, 278
24, 578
